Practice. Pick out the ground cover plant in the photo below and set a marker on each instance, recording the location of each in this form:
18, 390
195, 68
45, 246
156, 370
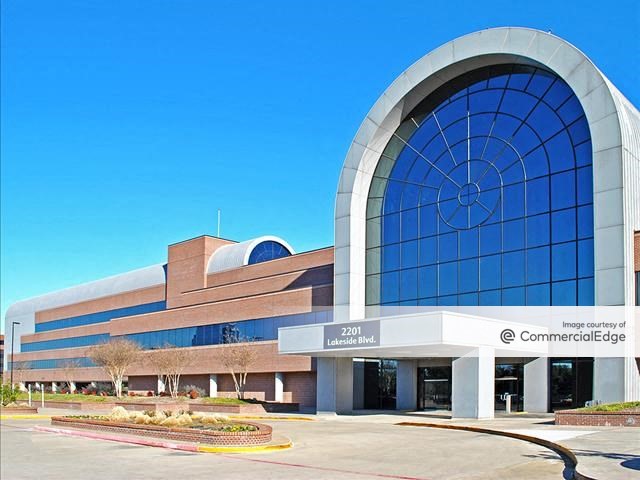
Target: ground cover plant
612, 407
180, 418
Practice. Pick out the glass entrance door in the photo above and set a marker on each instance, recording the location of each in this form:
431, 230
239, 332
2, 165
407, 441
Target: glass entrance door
380, 384
571, 382
509, 381
434, 388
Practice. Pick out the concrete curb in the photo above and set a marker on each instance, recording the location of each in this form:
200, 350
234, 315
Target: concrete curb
563, 451
195, 448
277, 419
33, 416
253, 449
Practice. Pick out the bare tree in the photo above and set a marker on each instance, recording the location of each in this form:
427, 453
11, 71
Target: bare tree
69, 369
115, 357
19, 368
156, 361
169, 364
238, 356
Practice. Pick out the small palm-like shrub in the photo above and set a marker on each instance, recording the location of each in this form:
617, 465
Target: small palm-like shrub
213, 418
170, 422
142, 419
119, 414
184, 420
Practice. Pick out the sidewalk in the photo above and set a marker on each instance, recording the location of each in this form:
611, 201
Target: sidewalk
603, 453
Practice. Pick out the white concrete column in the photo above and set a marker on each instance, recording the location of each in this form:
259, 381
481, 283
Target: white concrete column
608, 380
536, 385
213, 385
358, 384
279, 390
161, 385
407, 385
473, 384
335, 385
22, 386
54, 387
72, 387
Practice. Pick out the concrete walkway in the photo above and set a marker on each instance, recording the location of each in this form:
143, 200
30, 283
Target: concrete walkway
603, 453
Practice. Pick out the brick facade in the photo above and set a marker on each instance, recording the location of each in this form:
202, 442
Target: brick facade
295, 284
636, 251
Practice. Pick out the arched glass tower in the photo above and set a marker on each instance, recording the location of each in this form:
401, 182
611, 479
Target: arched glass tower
484, 196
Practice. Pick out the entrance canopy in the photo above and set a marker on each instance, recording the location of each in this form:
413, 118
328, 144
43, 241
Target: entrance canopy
433, 334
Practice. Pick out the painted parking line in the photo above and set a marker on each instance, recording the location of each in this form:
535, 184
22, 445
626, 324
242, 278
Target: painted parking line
188, 447
113, 438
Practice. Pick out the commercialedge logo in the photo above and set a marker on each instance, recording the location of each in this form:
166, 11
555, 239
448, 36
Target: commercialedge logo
507, 336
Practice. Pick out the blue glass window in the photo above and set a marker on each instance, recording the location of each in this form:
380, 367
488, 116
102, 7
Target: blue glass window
499, 163
68, 342
253, 330
100, 317
267, 250
51, 363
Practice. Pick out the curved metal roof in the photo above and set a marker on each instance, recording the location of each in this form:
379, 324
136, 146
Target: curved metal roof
237, 254
125, 282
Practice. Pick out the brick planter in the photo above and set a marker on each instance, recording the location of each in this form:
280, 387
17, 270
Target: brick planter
598, 419
249, 408
260, 436
18, 410
158, 407
252, 408
84, 406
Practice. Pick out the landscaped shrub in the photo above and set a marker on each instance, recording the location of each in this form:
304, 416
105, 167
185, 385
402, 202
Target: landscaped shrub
184, 420
105, 388
194, 392
213, 418
238, 427
149, 393
170, 422
143, 419
119, 414
9, 394
208, 420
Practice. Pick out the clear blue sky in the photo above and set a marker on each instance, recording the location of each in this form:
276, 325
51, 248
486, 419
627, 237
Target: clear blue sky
127, 124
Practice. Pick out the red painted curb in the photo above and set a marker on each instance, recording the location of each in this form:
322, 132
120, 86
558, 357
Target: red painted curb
113, 438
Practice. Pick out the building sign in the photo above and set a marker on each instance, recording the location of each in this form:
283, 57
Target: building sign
351, 335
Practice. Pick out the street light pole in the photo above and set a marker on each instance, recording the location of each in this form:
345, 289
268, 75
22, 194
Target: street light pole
13, 336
